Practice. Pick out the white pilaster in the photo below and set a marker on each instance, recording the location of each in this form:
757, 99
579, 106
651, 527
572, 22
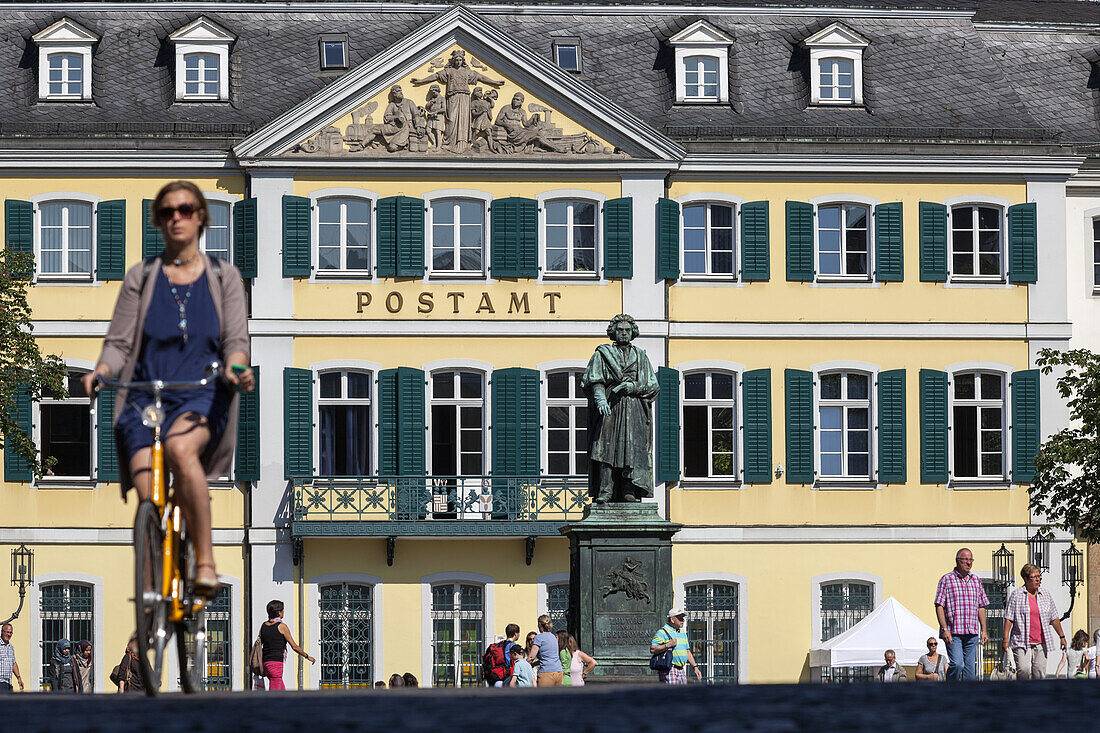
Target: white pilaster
272, 294
644, 294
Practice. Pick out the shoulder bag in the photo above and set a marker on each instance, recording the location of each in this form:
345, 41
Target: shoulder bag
662, 662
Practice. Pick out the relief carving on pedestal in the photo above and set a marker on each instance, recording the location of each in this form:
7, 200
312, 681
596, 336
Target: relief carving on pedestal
627, 579
456, 118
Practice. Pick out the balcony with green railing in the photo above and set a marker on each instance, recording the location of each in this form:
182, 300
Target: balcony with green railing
477, 506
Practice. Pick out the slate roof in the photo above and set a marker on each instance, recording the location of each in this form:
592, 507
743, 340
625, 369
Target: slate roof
925, 79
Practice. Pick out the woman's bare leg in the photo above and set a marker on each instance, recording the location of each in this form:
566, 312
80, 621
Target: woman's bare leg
185, 442
141, 473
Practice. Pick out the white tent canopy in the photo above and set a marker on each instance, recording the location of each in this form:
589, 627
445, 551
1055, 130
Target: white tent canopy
890, 626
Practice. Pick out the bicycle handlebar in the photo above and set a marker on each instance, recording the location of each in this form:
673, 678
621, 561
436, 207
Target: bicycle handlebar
213, 371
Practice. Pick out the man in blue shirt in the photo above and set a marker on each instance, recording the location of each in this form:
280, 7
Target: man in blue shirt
672, 636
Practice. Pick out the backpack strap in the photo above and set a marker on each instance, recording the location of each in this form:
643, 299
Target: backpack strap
216, 266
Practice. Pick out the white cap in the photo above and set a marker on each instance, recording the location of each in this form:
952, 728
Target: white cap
676, 612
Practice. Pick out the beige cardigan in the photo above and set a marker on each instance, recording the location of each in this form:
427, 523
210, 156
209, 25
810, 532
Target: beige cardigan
122, 346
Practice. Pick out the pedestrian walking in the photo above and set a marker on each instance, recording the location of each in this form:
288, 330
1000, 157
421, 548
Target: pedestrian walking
891, 671
83, 659
523, 674
1091, 657
960, 609
496, 662
1075, 656
274, 638
1031, 619
8, 665
62, 672
575, 664
544, 648
130, 678
932, 666
672, 636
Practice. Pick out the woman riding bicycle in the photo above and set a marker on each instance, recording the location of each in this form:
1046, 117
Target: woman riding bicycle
176, 314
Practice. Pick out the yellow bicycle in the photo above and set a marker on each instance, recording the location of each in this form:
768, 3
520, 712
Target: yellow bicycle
165, 601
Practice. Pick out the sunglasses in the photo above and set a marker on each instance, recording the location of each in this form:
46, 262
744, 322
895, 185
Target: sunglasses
186, 211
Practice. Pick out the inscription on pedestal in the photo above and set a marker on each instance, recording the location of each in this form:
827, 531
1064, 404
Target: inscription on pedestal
626, 631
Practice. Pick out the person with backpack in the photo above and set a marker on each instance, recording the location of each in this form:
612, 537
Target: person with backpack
496, 663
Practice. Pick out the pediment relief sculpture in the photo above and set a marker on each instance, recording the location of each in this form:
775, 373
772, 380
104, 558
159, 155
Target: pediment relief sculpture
456, 118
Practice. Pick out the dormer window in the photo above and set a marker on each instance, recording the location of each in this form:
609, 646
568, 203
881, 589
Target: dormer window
836, 66
702, 64
64, 62
202, 61
334, 52
567, 53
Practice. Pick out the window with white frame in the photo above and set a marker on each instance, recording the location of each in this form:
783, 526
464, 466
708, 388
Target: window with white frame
217, 238
345, 426
712, 618
67, 611
65, 430
66, 75
557, 605
1096, 253
837, 80
458, 236
978, 425
334, 51
343, 235
836, 65
202, 61
458, 634
201, 75
843, 243
65, 238
844, 425
64, 62
346, 618
458, 423
566, 424
709, 425
571, 236
701, 79
567, 53
701, 54
976, 241
843, 605
708, 239
218, 618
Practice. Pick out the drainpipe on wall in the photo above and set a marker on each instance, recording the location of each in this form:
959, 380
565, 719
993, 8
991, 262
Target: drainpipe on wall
301, 612
246, 595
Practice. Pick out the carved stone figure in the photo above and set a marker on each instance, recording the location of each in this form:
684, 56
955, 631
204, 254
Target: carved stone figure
435, 110
457, 76
363, 132
481, 118
402, 123
523, 133
628, 579
621, 386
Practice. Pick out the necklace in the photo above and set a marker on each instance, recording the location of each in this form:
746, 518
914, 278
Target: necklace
182, 306
180, 262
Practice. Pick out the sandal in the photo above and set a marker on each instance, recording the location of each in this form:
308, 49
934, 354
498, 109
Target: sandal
206, 583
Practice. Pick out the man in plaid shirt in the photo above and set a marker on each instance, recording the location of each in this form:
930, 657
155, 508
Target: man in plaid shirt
960, 608
8, 667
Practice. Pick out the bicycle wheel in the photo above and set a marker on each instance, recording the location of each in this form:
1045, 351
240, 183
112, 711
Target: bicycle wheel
191, 632
151, 612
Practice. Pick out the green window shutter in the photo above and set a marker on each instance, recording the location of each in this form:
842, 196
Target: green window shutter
107, 452
933, 426
244, 237
152, 243
409, 213
799, 388
1025, 425
933, 242
755, 243
618, 237
756, 419
1023, 243
298, 422
17, 468
410, 422
111, 240
514, 223
18, 226
387, 422
386, 236
515, 422
296, 236
668, 239
891, 426
248, 433
668, 424
889, 243
800, 241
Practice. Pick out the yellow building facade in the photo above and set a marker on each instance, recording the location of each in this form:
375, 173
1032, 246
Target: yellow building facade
846, 348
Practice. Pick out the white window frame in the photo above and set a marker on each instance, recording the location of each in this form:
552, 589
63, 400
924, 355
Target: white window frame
217, 197
709, 274
845, 403
1093, 237
701, 39
571, 403
1002, 241
736, 481
202, 36
456, 195
63, 197
847, 482
430, 401
199, 56
590, 197
345, 365
1005, 371
64, 37
542, 589
315, 199
722, 578
817, 581
34, 619
370, 403
836, 42
710, 403
488, 615
313, 598
571, 42
845, 199
79, 481
340, 38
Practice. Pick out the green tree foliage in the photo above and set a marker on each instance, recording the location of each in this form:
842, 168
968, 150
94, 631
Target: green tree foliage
23, 368
1066, 488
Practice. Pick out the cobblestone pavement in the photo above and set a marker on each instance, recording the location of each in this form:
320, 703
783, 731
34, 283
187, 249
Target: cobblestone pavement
1002, 707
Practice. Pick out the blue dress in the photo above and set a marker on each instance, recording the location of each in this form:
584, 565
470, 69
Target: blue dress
165, 355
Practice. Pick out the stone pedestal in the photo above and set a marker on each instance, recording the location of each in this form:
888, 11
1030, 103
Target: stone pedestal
620, 587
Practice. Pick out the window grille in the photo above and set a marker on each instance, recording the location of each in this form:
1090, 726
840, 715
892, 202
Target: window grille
66, 611
712, 630
458, 634
843, 605
346, 625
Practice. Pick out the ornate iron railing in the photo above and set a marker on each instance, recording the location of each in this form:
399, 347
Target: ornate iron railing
440, 498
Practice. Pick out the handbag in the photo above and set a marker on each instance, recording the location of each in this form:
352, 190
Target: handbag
256, 658
662, 662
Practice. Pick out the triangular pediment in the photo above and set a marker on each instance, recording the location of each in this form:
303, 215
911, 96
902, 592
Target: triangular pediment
64, 31
701, 33
837, 35
460, 80
202, 30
